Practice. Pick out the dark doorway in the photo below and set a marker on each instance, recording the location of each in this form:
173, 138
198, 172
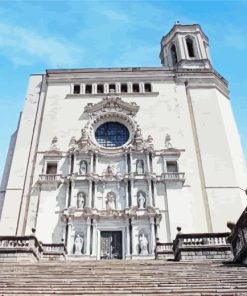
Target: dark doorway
111, 245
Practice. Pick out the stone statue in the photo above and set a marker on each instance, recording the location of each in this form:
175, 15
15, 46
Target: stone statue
80, 200
83, 167
168, 143
110, 170
72, 142
141, 200
84, 134
78, 245
111, 201
54, 143
138, 132
143, 242
139, 166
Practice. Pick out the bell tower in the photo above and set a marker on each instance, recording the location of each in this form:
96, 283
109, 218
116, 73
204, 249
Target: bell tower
185, 46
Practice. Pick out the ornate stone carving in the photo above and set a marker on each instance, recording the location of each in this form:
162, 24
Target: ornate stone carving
54, 144
139, 166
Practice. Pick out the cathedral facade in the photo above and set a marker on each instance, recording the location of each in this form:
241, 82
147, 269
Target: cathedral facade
109, 160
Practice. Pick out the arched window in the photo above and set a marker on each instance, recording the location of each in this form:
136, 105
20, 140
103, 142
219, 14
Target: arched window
190, 47
174, 54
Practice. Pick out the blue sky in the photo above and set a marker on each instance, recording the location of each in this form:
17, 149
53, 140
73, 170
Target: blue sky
38, 35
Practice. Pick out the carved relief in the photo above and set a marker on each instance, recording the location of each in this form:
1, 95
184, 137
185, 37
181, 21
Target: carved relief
143, 244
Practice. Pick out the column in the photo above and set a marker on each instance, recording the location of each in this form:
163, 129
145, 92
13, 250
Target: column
147, 161
131, 164
67, 194
127, 240
126, 194
153, 245
94, 241
96, 162
69, 242
88, 223
155, 193
132, 198
126, 163
150, 198
89, 193
134, 243
95, 193
91, 163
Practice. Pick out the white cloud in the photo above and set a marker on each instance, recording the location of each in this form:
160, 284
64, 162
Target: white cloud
24, 47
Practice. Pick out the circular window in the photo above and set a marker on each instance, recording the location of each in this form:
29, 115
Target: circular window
112, 134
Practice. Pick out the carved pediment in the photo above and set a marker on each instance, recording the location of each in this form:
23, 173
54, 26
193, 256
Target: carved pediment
112, 103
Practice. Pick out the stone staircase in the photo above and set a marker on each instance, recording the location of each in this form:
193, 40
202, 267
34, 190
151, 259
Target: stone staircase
121, 277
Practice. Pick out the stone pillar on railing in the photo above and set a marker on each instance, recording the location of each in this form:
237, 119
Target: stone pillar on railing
152, 236
127, 241
134, 241
94, 242
69, 237
88, 236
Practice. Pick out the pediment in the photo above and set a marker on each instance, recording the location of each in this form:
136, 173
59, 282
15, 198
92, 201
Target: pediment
112, 104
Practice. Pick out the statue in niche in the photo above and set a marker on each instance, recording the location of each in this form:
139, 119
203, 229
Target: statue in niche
78, 245
141, 200
80, 200
143, 243
168, 143
83, 167
110, 201
140, 166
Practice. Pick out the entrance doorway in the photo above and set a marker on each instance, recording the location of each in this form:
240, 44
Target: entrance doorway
111, 245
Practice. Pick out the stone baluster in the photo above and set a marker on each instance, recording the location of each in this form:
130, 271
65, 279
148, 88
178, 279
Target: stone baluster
152, 236
88, 223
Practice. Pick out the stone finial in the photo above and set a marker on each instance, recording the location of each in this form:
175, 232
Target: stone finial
168, 143
179, 229
33, 231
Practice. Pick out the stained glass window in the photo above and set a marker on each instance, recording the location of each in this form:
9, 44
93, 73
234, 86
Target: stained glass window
112, 134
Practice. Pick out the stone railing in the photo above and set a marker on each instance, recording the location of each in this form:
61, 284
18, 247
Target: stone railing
238, 239
201, 246
54, 248
20, 244
172, 176
50, 178
164, 250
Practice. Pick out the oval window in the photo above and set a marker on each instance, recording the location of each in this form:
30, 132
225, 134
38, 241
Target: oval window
112, 134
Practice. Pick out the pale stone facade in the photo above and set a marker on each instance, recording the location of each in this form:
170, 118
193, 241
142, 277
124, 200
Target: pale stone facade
180, 161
